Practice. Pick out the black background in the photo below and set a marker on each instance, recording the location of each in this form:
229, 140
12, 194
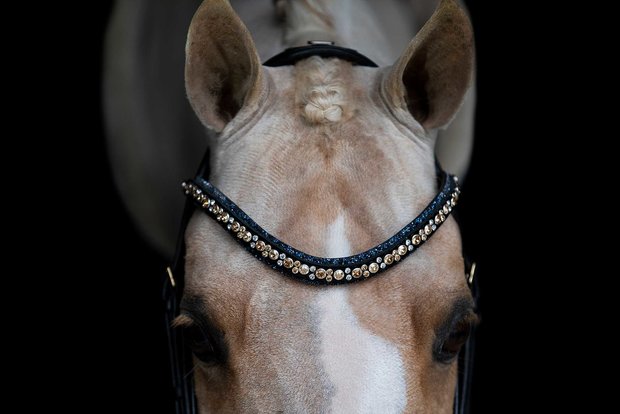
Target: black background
120, 350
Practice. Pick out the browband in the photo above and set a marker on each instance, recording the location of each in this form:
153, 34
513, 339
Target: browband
323, 270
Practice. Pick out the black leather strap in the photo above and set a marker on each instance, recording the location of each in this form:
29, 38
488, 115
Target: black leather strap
294, 54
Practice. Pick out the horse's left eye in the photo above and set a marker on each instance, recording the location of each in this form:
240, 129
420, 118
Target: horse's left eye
449, 348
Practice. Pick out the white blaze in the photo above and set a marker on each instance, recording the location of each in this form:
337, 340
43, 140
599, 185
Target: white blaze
366, 371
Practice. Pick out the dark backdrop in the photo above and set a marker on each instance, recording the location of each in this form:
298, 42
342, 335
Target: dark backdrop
121, 289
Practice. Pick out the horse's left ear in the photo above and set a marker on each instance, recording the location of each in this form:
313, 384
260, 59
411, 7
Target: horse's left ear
432, 76
223, 72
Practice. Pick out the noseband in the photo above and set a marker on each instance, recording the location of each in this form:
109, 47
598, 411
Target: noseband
296, 264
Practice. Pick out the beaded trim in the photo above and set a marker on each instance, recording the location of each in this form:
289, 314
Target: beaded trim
321, 270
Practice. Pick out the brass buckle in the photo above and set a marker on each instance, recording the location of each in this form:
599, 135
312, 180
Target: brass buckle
472, 272
170, 276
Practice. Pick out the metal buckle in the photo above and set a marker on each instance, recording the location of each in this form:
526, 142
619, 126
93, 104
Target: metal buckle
472, 272
170, 276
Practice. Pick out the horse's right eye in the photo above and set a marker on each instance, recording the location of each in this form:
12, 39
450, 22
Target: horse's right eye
203, 344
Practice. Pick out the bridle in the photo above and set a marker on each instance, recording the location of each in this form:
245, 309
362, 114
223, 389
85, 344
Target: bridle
298, 265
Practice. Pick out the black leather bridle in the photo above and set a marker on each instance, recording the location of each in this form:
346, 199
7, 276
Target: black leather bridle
202, 195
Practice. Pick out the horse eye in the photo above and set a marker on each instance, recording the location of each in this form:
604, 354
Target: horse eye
202, 344
451, 346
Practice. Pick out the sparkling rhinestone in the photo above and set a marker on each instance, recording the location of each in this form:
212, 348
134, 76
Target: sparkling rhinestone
450, 209
373, 267
407, 242
273, 255
184, 184
288, 262
397, 257
383, 266
347, 270
430, 222
260, 245
434, 227
402, 250
283, 256
416, 239
231, 220
279, 262
410, 247
379, 260
304, 269
252, 245
388, 259
364, 267
338, 274
366, 273
229, 227
255, 237
427, 230
265, 254
348, 278
297, 263
311, 276
210, 209
295, 270
357, 272
235, 227
312, 268
328, 278
212, 202
321, 273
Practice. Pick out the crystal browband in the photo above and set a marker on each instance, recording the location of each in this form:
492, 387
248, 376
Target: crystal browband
320, 270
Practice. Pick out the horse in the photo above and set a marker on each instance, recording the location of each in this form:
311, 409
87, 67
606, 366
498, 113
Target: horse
332, 158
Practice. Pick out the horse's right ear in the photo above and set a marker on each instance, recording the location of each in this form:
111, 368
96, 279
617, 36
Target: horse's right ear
223, 72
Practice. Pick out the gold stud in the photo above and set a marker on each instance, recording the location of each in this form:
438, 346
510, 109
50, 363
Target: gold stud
295, 270
330, 271
338, 274
366, 273
304, 269
260, 245
288, 262
364, 267
297, 263
265, 254
273, 255
247, 236
236, 227
416, 239
328, 278
428, 230
357, 272
224, 217
373, 267
240, 234
442, 217
321, 273
397, 257
388, 259
402, 250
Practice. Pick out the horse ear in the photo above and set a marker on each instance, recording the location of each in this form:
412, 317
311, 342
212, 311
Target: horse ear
432, 76
223, 72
